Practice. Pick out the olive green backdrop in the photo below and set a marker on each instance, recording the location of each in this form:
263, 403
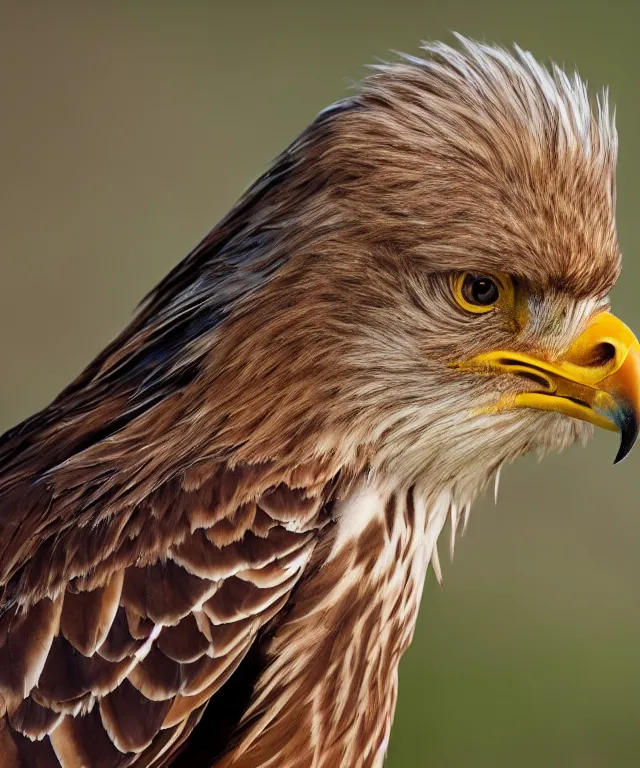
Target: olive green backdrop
128, 128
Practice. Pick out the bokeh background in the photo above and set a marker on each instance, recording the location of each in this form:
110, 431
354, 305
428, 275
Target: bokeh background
128, 128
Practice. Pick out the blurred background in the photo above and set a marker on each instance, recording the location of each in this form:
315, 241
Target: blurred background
128, 128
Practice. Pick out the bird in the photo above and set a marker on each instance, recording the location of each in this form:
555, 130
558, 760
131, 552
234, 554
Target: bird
213, 542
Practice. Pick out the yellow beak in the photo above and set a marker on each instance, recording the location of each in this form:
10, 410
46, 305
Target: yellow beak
598, 381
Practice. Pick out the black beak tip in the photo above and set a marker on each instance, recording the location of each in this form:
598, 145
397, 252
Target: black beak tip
627, 423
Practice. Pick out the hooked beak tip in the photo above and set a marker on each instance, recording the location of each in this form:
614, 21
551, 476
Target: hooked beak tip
626, 421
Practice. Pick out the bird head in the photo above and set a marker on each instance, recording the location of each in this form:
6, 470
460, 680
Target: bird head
425, 273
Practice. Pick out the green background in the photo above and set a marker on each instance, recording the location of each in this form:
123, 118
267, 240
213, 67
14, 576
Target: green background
127, 129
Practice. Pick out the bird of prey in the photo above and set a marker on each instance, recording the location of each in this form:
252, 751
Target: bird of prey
213, 543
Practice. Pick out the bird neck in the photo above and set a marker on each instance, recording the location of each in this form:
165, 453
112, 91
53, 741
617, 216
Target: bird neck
328, 691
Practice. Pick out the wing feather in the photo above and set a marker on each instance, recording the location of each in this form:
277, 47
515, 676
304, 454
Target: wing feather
87, 616
33, 720
184, 642
26, 637
116, 669
145, 549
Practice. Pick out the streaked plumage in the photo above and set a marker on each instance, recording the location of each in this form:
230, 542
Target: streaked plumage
213, 542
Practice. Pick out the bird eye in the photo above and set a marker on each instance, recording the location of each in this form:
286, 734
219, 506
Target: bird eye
476, 293
480, 290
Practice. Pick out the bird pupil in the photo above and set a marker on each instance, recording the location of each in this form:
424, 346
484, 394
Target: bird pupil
483, 291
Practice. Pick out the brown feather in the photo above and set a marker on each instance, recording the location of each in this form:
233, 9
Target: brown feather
88, 616
164, 593
38, 754
25, 640
119, 641
68, 675
8, 748
83, 741
183, 642
130, 718
34, 720
156, 676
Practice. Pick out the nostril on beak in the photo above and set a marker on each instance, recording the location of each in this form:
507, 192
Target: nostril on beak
601, 354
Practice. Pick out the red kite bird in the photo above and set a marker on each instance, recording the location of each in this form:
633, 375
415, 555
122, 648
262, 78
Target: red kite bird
213, 542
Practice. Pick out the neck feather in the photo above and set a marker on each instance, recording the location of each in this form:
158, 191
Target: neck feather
328, 691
